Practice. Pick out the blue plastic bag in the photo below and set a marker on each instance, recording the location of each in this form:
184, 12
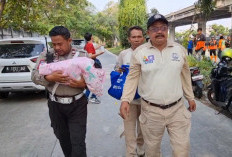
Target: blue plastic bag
117, 83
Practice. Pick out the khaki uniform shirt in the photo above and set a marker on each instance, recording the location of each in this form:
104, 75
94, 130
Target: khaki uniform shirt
62, 90
124, 58
161, 77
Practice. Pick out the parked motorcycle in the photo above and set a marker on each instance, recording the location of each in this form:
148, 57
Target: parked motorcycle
220, 89
197, 83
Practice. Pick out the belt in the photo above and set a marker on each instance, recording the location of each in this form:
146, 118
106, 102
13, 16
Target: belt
66, 99
162, 106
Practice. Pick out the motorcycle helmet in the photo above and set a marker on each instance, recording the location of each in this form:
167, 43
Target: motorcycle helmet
227, 54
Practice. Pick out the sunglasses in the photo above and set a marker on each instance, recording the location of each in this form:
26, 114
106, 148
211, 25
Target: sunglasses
157, 29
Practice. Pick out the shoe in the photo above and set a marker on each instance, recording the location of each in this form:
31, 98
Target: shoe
94, 100
140, 151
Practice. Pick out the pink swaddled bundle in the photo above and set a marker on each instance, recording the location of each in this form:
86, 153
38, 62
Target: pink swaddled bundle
94, 77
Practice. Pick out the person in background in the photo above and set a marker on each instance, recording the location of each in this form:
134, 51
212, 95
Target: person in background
190, 46
68, 104
159, 69
212, 49
89, 47
227, 42
221, 46
133, 134
200, 44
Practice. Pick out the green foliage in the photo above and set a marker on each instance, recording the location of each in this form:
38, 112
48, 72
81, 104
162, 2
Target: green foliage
154, 11
78, 16
219, 29
192, 62
116, 50
41, 15
106, 24
183, 37
131, 12
205, 66
205, 7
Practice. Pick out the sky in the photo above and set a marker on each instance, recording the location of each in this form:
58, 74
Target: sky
165, 7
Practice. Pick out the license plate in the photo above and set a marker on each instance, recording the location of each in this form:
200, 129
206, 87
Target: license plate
15, 69
198, 77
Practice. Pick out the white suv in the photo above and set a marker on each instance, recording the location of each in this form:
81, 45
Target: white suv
17, 59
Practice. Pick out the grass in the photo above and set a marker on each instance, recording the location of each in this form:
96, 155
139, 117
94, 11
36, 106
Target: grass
115, 50
205, 66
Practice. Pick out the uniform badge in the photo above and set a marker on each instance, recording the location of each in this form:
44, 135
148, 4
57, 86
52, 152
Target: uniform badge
175, 57
148, 59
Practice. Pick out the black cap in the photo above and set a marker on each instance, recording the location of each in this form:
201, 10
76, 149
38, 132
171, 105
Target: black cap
156, 17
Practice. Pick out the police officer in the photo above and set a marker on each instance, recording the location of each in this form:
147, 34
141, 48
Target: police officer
133, 134
66, 102
160, 70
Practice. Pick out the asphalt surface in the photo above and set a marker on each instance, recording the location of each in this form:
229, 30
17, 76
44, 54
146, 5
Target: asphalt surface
25, 127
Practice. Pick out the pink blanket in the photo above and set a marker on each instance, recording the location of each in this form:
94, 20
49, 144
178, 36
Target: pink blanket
94, 77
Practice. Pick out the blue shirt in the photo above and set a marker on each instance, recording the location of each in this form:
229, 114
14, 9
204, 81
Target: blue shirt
190, 44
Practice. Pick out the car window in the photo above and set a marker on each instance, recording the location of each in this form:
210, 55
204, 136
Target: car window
20, 50
77, 42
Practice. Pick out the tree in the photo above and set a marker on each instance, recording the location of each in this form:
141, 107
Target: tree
154, 11
2, 6
219, 29
205, 7
131, 12
183, 37
107, 24
41, 15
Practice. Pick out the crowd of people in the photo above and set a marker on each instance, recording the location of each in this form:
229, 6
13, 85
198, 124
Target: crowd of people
215, 46
158, 70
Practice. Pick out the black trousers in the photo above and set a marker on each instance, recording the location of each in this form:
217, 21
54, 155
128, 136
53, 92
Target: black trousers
190, 51
69, 124
212, 52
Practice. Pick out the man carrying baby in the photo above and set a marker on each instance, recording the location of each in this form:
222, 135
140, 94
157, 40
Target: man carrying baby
67, 104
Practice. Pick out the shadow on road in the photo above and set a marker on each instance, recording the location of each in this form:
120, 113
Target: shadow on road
25, 96
218, 110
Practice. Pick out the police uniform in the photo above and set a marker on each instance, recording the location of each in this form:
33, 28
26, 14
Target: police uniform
162, 78
130, 130
67, 109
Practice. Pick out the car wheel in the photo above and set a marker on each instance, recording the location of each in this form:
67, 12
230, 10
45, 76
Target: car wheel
4, 95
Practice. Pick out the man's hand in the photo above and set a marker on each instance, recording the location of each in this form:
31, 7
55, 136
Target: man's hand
192, 105
77, 83
57, 76
124, 109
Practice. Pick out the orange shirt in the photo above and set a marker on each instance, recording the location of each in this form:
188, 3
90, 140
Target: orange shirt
212, 45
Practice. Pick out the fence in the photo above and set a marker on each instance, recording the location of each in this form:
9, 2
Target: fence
10, 33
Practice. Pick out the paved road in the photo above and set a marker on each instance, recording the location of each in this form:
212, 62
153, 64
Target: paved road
25, 128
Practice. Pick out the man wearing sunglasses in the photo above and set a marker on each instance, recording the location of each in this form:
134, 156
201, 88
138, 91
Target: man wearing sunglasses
160, 70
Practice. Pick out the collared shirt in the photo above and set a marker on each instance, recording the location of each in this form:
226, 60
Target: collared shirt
124, 58
62, 90
161, 77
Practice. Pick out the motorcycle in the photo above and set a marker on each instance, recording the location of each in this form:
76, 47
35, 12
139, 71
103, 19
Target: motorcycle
220, 89
197, 83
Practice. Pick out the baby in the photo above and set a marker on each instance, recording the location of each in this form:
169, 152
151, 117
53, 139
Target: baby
75, 67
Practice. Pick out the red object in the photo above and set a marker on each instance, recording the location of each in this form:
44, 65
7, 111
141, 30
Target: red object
34, 59
90, 48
